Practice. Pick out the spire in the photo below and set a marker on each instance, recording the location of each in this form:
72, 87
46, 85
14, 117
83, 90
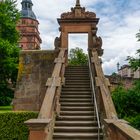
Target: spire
77, 3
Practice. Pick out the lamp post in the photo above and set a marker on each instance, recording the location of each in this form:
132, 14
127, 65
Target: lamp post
118, 66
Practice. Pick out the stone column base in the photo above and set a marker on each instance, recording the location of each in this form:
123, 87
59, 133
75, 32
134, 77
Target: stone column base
38, 128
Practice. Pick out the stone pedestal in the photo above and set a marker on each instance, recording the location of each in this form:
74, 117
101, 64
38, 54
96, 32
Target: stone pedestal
38, 128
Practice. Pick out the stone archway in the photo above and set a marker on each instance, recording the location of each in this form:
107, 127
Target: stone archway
78, 20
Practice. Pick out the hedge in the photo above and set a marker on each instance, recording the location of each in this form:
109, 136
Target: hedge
12, 125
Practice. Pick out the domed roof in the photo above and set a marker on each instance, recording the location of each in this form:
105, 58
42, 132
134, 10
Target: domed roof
26, 1
28, 14
26, 11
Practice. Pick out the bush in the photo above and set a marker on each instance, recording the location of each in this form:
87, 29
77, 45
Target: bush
12, 125
127, 103
119, 99
6, 95
134, 121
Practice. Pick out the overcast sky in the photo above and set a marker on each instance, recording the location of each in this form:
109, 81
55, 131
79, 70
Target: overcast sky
119, 23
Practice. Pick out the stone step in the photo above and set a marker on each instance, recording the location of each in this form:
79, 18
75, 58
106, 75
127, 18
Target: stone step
76, 89
76, 118
75, 129
77, 74
77, 86
77, 68
75, 136
76, 123
75, 104
76, 92
89, 108
77, 113
73, 72
75, 100
77, 83
78, 78
75, 96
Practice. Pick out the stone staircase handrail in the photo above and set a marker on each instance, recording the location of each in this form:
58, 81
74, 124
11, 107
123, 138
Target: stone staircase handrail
94, 100
115, 128
52, 83
39, 127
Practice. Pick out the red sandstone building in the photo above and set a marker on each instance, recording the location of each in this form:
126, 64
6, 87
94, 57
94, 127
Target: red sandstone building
28, 28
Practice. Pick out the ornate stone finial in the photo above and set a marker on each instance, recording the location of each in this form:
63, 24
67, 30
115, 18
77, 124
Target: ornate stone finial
77, 3
78, 12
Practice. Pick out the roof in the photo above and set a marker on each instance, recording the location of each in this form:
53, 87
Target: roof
28, 14
26, 11
27, 1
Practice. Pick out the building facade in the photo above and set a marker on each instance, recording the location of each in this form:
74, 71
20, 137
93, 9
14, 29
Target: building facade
127, 71
28, 28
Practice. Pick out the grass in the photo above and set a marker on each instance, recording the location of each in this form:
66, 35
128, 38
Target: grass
5, 108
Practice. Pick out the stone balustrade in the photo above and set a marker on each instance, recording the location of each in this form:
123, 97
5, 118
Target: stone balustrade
40, 128
113, 128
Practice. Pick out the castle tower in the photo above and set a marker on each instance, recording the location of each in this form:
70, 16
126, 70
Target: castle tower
28, 28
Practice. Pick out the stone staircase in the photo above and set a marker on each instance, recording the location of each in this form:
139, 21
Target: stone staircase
77, 120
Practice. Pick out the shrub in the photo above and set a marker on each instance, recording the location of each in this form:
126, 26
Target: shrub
12, 125
6, 95
127, 103
134, 121
119, 99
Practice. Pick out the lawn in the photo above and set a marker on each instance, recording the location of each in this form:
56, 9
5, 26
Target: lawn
5, 108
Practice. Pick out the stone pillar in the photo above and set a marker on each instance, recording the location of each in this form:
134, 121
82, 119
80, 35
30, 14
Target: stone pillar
38, 128
64, 40
90, 40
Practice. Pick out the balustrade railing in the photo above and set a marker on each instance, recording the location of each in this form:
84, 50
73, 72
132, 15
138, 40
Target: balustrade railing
40, 128
114, 128
52, 84
94, 100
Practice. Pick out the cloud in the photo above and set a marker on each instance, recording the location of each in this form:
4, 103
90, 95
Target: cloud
119, 22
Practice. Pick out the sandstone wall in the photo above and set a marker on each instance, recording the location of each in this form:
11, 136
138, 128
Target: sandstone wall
35, 67
126, 82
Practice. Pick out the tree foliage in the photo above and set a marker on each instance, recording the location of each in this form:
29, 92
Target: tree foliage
133, 61
9, 51
9, 16
77, 57
127, 103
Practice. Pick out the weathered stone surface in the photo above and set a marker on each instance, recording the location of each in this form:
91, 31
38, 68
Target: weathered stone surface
35, 67
127, 82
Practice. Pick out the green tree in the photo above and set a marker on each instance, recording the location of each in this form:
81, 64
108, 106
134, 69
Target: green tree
77, 57
9, 51
134, 62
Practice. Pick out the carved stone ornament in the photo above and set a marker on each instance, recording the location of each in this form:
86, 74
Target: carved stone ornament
78, 12
97, 42
57, 42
